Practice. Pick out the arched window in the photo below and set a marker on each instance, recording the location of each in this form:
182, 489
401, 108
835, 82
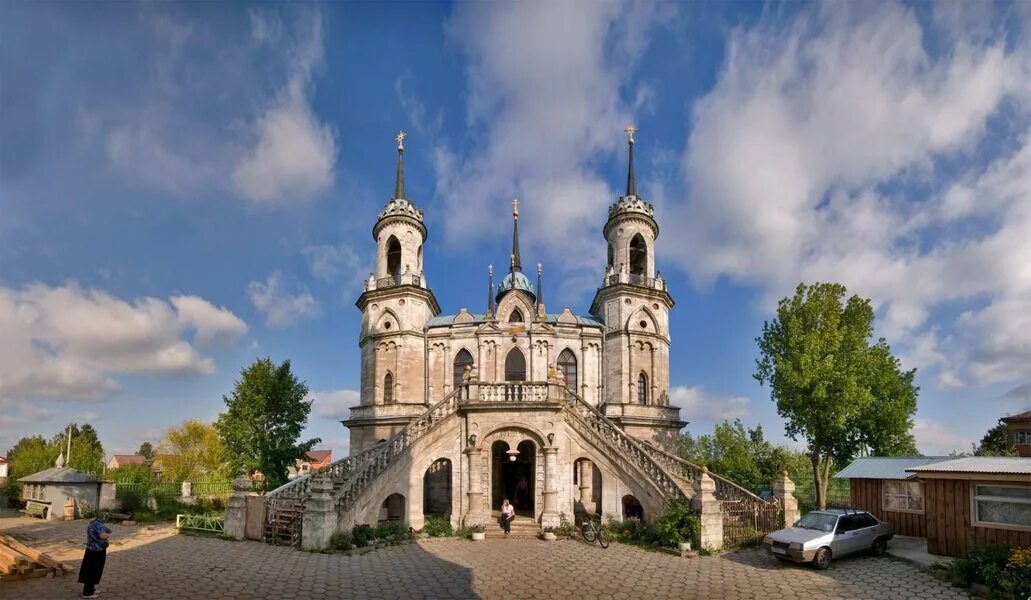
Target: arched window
388, 388
567, 367
463, 360
638, 256
393, 256
515, 366
612, 256
642, 389
516, 316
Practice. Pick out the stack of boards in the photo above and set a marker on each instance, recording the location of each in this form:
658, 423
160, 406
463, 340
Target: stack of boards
18, 561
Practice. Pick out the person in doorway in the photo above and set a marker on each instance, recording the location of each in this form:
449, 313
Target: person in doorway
97, 534
507, 515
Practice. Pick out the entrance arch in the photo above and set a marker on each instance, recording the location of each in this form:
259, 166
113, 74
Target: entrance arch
393, 508
587, 489
436, 489
632, 508
515, 365
513, 475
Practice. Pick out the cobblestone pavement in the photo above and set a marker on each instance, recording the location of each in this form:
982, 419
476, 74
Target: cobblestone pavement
157, 564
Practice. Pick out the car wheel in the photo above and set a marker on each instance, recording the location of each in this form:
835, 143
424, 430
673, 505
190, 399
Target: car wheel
822, 560
879, 546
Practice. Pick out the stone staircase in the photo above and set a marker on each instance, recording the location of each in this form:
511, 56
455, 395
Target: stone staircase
523, 528
671, 476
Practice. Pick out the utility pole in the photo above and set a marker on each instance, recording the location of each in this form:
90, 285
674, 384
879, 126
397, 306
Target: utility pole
68, 456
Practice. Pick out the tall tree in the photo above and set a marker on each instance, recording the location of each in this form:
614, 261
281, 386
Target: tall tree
742, 455
191, 451
87, 453
836, 390
995, 442
264, 417
146, 451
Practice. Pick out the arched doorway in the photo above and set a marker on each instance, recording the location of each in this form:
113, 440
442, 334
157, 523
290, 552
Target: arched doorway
632, 508
567, 368
515, 365
393, 508
513, 476
587, 489
462, 360
436, 489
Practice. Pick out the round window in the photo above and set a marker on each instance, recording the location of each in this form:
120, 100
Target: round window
386, 325
644, 324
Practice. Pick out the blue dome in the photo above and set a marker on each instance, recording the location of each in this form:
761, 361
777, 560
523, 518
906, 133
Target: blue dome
516, 281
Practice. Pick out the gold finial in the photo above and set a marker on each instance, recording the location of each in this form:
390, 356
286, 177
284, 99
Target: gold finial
539, 268
515, 208
512, 259
490, 269
630, 131
400, 137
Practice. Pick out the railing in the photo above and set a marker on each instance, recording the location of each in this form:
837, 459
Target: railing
511, 392
299, 487
592, 423
379, 458
209, 523
395, 280
638, 280
726, 490
211, 488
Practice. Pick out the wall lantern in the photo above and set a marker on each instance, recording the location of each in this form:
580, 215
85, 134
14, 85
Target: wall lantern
512, 454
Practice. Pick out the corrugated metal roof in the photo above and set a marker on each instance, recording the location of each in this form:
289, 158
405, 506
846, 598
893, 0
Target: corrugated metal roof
882, 467
1003, 465
59, 475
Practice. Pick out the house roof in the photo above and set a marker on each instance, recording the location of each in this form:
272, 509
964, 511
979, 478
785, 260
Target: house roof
882, 467
319, 455
129, 459
2, 460
59, 475
1001, 465
1017, 418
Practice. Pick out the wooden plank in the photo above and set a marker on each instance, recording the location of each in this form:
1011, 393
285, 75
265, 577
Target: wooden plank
939, 517
15, 561
35, 555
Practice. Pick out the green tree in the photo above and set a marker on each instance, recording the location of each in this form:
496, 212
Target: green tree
995, 442
742, 455
836, 390
146, 451
87, 453
191, 451
264, 417
141, 474
29, 455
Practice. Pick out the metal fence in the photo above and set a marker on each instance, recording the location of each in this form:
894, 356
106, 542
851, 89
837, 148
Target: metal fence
174, 489
746, 522
208, 523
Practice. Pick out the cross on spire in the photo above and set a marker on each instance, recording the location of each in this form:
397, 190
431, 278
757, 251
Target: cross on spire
399, 181
630, 131
515, 266
400, 137
515, 207
631, 178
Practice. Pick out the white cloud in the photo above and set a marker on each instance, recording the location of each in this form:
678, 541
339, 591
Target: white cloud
935, 439
697, 404
70, 342
334, 404
791, 150
337, 262
544, 107
294, 152
282, 305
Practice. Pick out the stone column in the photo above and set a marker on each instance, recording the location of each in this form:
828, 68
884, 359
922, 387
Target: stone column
319, 520
550, 517
476, 513
708, 507
587, 486
236, 509
784, 491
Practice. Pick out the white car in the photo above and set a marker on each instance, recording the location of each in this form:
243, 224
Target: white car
825, 534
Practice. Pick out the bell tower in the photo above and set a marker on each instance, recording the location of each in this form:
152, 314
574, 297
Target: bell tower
634, 305
395, 306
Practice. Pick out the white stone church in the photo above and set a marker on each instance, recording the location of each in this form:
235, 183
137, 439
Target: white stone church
564, 414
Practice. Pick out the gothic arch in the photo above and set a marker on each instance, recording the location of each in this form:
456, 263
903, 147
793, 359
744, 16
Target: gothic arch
393, 255
637, 255
463, 359
388, 322
568, 367
516, 316
651, 322
642, 391
515, 300
388, 388
515, 365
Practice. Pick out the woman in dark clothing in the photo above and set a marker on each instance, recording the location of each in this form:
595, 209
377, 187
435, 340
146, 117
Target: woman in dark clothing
96, 554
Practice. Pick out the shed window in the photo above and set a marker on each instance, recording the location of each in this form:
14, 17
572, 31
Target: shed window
1006, 506
907, 496
1024, 436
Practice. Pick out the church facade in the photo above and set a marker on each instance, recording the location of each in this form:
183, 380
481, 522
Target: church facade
565, 414
615, 357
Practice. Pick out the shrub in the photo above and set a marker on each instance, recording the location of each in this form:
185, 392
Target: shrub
565, 528
361, 535
983, 566
1016, 576
477, 528
133, 501
632, 531
437, 527
392, 532
677, 524
340, 540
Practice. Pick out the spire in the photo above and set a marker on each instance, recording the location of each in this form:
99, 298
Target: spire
515, 264
490, 290
540, 293
631, 179
399, 182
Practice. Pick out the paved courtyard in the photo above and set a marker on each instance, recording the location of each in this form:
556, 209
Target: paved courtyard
157, 564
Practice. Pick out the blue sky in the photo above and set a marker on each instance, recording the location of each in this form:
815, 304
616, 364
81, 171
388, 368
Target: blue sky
185, 187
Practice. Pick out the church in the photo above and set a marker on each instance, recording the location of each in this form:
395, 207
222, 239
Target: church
564, 414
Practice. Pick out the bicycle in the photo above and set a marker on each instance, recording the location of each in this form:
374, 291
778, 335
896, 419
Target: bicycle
592, 530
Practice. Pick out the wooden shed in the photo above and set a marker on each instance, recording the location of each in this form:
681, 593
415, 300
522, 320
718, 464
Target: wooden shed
883, 487
976, 502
